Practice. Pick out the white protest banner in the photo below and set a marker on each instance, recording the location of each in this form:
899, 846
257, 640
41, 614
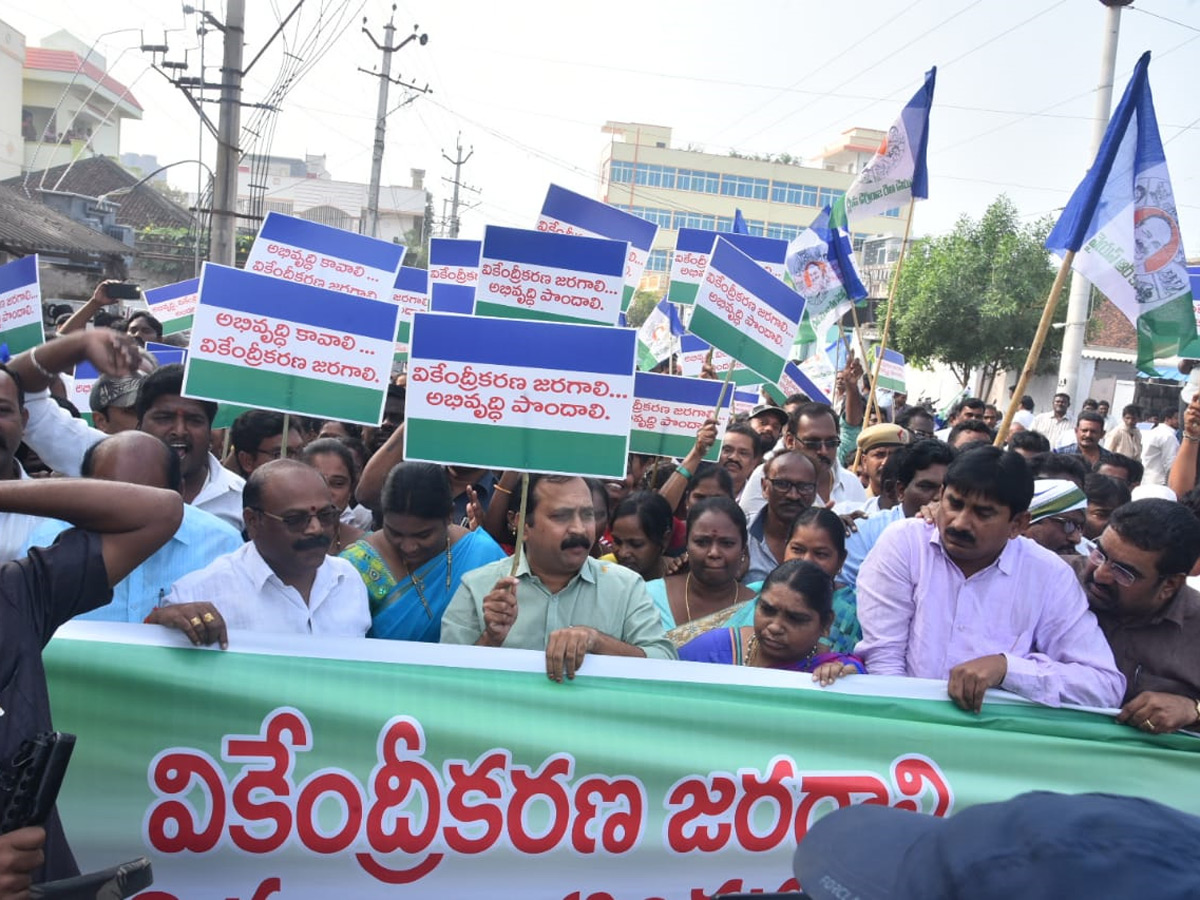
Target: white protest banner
747, 312
265, 342
820, 370
173, 304
21, 306
525, 395
565, 212
526, 274
693, 353
320, 256
453, 274
891, 369
668, 411
411, 293
693, 247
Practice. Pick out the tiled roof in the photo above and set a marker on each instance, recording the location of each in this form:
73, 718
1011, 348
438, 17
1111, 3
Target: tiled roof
1108, 327
27, 226
47, 60
99, 175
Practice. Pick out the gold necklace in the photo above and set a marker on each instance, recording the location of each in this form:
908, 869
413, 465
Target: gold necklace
419, 583
752, 652
687, 607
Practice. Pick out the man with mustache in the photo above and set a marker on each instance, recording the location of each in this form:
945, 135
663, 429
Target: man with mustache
967, 599
789, 486
562, 600
813, 429
283, 580
1135, 580
741, 449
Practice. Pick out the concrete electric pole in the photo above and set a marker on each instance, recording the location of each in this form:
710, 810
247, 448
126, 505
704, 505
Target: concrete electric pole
458, 162
371, 225
1081, 288
229, 125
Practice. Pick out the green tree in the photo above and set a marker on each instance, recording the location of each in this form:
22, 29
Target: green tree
640, 307
417, 252
973, 297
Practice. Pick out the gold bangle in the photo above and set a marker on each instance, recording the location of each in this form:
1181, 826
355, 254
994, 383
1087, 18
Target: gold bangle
41, 370
503, 490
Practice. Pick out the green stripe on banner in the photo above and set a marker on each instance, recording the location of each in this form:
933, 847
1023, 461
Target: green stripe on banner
1165, 331
403, 330
682, 292
503, 447
174, 326
646, 360
496, 310
626, 297
658, 444
21, 339
737, 344
271, 390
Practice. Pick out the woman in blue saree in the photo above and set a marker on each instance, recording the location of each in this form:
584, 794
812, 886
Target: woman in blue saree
413, 565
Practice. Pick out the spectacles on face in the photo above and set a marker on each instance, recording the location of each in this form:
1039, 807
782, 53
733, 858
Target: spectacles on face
920, 435
1121, 575
784, 486
296, 522
1069, 526
819, 443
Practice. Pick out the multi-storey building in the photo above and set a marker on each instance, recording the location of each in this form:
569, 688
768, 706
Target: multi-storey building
686, 188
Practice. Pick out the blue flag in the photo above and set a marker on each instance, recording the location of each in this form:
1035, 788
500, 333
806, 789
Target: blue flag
739, 223
1123, 225
820, 265
896, 173
656, 337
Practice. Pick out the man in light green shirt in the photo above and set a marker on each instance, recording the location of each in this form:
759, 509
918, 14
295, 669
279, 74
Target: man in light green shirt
561, 599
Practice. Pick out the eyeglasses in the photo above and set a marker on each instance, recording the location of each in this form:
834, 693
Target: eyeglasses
296, 522
1121, 575
785, 487
818, 443
1069, 526
920, 435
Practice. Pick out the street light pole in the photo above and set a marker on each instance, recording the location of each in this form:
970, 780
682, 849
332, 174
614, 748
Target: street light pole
1081, 289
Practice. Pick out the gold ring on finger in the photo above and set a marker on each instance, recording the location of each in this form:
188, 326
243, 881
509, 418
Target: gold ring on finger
209, 617
195, 620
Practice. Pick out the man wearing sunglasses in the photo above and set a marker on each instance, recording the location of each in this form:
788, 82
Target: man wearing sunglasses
283, 580
1056, 515
1135, 579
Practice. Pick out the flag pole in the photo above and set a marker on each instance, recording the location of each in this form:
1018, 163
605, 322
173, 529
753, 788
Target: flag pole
872, 405
283, 446
516, 558
724, 385
1036, 350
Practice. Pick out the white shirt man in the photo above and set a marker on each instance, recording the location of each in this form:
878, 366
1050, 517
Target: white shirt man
1159, 448
283, 580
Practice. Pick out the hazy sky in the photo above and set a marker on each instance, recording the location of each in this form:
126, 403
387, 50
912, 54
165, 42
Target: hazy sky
530, 83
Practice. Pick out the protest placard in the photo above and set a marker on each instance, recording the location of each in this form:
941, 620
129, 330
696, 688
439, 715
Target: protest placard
693, 352
668, 411
565, 212
265, 342
453, 274
745, 398
891, 370
324, 257
694, 246
819, 369
83, 378
745, 311
510, 394
411, 293
526, 274
173, 304
21, 305
795, 381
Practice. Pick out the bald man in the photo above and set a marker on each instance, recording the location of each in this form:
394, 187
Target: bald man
134, 457
283, 581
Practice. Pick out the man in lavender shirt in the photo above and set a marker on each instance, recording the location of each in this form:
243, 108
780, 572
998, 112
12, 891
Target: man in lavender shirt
969, 600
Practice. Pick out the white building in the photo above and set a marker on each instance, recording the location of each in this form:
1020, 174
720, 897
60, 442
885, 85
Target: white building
305, 189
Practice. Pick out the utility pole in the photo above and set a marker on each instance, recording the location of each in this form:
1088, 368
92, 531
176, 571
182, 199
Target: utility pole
229, 126
1081, 289
385, 81
458, 163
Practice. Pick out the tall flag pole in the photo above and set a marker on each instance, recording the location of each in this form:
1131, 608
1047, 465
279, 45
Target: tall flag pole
897, 174
1123, 227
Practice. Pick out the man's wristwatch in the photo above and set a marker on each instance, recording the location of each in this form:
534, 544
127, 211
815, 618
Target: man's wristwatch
1196, 721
